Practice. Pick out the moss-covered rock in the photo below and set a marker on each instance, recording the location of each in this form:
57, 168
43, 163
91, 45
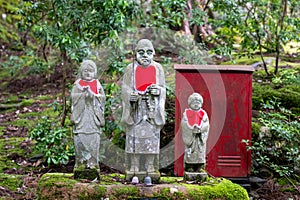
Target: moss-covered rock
288, 95
63, 186
222, 189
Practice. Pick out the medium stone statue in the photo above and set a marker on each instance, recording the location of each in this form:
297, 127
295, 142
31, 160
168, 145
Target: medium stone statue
143, 101
195, 128
88, 100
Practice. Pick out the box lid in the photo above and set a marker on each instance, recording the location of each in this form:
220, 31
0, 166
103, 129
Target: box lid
214, 67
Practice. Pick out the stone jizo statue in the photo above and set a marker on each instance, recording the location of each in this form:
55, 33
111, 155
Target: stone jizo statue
143, 101
88, 100
195, 129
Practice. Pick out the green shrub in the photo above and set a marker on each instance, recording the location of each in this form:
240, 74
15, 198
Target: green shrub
164, 14
278, 149
53, 141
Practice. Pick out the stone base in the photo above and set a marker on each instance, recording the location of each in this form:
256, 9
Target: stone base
89, 174
53, 186
195, 176
155, 176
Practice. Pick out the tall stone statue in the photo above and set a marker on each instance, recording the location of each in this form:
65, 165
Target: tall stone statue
143, 101
195, 129
88, 100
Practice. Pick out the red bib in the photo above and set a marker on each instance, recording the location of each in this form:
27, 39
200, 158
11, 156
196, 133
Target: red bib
91, 84
194, 117
144, 77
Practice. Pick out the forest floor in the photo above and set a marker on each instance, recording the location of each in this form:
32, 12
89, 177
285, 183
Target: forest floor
21, 167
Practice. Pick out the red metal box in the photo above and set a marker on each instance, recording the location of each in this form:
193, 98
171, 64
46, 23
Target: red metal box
227, 93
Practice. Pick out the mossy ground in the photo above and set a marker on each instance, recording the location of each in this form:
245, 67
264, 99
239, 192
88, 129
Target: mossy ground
12, 182
58, 185
8, 147
19, 112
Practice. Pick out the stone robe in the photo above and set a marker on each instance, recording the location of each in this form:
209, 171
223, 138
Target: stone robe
144, 119
88, 117
195, 128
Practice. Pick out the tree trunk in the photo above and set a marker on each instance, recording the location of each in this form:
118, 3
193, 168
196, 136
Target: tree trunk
64, 99
186, 23
262, 57
278, 33
199, 32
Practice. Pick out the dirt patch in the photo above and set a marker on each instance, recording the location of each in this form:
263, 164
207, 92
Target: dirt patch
272, 190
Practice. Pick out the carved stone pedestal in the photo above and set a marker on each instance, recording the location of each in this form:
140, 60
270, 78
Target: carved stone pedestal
155, 176
195, 176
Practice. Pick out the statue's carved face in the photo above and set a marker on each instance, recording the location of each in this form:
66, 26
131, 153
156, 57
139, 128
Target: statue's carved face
88, 73
196, 104
144, 56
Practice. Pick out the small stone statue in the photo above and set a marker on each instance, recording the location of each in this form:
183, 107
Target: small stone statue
88, 100
195, 128
143, 101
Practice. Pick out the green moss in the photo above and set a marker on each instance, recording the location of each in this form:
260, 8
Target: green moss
125, 192
111, 178
53, 186
51, 179
27, 102
290, 190
101, 191
6, 198
117, 175
12, 98
166, 179
287, 93
29, 114
11, 182
166, 194
1, 130
83, 173
10, 110
45, 97
4, 73
225, 189
49, 113
255, 128
59, 183
44, 105
23, 123
243, 61
261, 93
6, 163
289, 97
7, 147
282, 181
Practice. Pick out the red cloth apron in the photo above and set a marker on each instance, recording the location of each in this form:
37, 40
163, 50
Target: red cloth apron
144, 77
